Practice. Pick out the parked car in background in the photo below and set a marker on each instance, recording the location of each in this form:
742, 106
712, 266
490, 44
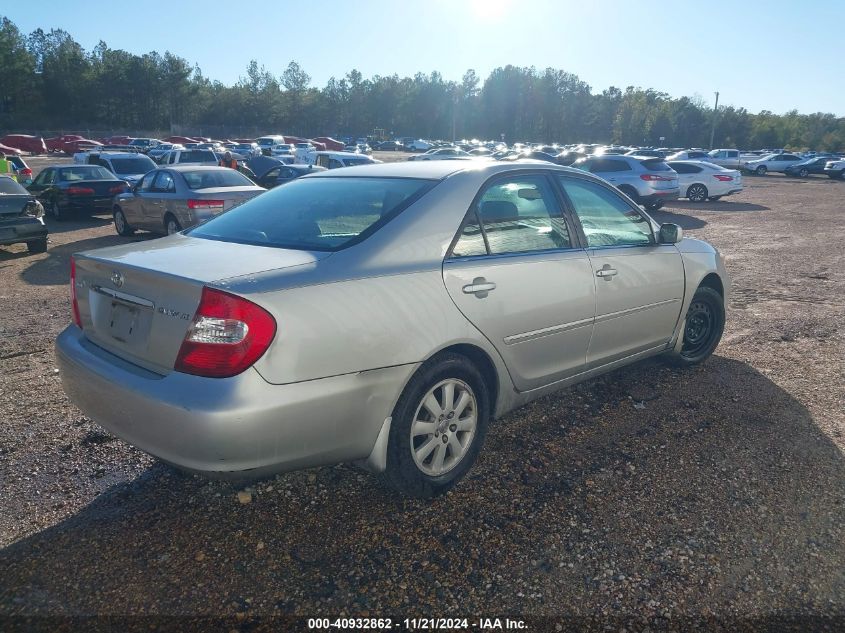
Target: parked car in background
81, 145
419, 145
334, 160
57, 143
9, 151
144, 143
116, 140
21, 217
699, 181
161, 149
814, 165
688, 154
480, 151
66, 189
247, 150
772, 162
180, 140
533, 155
281, 174
304, 154
653, 153
390, 146
568, 157
442, 153
23, 173
268, 143
25, 143
331, 144
835, 168
729, 158
407, 299
193, 156
128, 166
645, 179
170, 199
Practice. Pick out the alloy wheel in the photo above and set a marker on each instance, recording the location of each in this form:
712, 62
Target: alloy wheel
444, 426
697, 193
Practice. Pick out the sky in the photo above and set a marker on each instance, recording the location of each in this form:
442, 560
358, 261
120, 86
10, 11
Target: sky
773, 55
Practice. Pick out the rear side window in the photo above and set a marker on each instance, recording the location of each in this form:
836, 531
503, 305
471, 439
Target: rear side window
518, 215
655, 164
604, 165
683, 168
323, 214
212, 178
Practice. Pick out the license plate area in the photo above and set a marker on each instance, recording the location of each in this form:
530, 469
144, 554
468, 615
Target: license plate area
123, 322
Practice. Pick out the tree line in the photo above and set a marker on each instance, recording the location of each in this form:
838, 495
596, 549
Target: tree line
48, 81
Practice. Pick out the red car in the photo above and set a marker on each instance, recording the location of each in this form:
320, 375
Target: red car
25, 143
80, 145
331, 144
116, 140
181, 140
321, 147
57, 143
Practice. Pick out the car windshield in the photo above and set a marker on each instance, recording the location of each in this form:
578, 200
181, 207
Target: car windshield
210, 178
137, 165
10, 187
85, 172
323, 214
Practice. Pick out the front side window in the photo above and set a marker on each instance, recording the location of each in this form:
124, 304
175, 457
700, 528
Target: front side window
147, 182
517, 215
606, 218
164, 183
323, 214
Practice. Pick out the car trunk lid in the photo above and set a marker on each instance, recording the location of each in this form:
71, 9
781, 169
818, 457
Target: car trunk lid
231, 196
137, 302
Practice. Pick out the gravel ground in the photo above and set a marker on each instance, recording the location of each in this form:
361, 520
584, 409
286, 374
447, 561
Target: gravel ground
652, 498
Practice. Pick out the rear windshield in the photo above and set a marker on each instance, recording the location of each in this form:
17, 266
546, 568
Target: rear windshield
197, 156
209, 178
85, 172
656, 164
322, 214
137, 165
9, 186
356, 161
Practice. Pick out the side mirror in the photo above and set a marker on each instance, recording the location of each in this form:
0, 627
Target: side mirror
670, 234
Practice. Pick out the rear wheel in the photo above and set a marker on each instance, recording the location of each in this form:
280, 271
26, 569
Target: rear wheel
761, 170
171, 225
39, 246
120, 224
703, 327
438, 427
697, 193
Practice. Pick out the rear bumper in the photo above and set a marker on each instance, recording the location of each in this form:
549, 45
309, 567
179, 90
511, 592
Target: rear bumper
87, 204
233, 427
22, 230
662, 194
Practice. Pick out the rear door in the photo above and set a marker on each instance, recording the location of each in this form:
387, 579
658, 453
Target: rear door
160, 199
517, 273
639, 283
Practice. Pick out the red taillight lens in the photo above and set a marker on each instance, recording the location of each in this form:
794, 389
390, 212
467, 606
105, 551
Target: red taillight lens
79, 191
73, 302
205, 204
723, 178
118, 188
26, 172
655, 177
228, 334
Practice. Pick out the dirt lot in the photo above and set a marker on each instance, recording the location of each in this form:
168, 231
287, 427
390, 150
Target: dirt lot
653, 496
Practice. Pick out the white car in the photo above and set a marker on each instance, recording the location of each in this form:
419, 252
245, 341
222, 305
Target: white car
835, 168
304, 154
420, 146
334, 160
689, 154
443, 153
700, 181
771, 162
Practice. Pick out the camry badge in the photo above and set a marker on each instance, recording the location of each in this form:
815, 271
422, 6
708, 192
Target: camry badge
117, 278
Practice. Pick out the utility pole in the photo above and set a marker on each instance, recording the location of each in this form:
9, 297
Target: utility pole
715, 116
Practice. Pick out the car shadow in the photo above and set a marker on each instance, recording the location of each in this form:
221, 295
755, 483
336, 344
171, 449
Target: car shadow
686, 222
711, 482
54, 269
76, 222
719, 205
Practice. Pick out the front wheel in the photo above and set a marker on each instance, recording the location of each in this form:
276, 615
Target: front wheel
697, 193
803, 173
703, 327
438, 427
171, 225
761, 170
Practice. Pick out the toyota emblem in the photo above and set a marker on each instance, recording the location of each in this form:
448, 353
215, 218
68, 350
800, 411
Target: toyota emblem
117, 278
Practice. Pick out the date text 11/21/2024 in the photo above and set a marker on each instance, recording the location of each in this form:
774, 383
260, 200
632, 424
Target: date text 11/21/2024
414, 624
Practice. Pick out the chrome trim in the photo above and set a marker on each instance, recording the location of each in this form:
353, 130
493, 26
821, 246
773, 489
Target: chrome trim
546, 331
122, 296
613, 315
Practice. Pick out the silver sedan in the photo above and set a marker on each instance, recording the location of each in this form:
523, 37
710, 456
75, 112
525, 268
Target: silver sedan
169, 200
381, 315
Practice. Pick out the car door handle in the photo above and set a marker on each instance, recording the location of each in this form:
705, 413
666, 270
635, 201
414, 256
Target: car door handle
606, 272
479, 287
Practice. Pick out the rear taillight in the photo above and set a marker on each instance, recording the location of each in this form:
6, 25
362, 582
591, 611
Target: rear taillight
228, 334
723, 178
26, 171
74, 303
118, 188
79, 191
655, 177
205, 204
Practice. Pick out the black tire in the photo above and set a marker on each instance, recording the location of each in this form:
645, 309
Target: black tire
697, 193
703, 327
171, 222
402, 472
39, 246
630, 192
120, 224
803, 173
57, 213
715, 198
762, 170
